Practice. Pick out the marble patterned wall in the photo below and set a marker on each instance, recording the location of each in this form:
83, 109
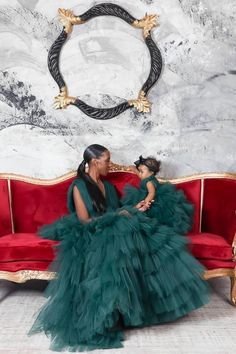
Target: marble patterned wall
192, 125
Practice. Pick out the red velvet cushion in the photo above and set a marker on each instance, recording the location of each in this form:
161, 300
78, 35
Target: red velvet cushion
192, 190
214, 264
5, 215
25, 247
22, 265
44, 265
34, 205
210, 246
219, 207
120, 179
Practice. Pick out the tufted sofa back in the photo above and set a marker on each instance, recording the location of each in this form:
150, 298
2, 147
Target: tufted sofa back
27, 203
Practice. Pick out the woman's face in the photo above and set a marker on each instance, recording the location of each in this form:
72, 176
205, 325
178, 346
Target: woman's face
103, 162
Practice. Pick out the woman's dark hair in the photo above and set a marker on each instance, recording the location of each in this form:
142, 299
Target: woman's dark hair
151, 163
93, 151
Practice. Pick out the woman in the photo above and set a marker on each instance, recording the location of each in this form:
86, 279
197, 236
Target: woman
113, 265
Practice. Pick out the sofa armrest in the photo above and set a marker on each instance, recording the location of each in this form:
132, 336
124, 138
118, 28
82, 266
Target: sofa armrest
219, 207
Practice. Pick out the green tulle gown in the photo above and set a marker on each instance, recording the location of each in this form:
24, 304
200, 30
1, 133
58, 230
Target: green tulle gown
131, 267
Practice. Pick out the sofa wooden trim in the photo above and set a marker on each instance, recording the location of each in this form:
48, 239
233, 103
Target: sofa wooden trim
22, 276
224, 272
115, 168
10, 202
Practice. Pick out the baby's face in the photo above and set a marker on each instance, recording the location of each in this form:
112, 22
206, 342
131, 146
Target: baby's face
144, 172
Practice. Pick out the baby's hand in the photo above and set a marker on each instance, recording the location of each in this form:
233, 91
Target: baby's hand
148, 203
140, 204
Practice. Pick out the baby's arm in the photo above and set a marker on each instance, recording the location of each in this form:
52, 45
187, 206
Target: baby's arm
151, 193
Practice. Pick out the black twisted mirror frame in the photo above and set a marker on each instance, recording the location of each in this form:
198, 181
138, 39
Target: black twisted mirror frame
68, 20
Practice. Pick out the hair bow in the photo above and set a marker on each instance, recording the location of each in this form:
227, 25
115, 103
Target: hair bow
140, 161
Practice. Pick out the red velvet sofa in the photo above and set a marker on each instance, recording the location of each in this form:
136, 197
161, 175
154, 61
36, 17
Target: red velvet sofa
27, 203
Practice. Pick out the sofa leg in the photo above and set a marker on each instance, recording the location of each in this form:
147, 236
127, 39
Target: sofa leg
233, 288
224, 272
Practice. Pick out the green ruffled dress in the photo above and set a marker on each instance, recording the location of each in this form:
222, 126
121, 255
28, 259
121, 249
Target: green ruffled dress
118, 266
170, 206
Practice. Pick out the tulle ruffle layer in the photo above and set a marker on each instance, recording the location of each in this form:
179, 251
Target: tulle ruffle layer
170, 207
116, 265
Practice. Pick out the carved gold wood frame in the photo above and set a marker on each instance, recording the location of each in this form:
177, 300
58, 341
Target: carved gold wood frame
114, 167
69, 20
24, 275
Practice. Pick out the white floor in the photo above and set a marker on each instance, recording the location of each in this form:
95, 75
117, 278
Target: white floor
209, 330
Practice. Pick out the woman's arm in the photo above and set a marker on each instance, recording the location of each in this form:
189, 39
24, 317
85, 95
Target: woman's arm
82, 212
80, 207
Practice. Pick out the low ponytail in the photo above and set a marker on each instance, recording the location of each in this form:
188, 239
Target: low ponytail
98, 200
81, 170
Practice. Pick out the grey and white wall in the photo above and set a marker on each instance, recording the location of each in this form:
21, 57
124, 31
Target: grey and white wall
192, 125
